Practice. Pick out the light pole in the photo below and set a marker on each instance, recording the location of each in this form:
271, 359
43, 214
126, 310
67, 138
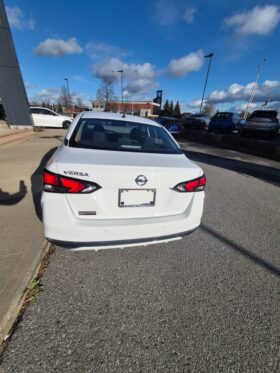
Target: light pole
121, 72
253, 88
68, 90
210, 55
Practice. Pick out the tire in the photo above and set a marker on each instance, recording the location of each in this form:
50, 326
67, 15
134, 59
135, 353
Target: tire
272, 135
243, 133
65, 125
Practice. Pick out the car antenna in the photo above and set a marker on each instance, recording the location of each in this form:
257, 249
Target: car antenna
124, 114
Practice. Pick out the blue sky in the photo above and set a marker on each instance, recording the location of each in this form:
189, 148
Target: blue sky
159, 44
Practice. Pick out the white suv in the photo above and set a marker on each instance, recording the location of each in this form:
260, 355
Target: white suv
43, 117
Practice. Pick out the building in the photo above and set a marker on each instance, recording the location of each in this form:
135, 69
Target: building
141, 108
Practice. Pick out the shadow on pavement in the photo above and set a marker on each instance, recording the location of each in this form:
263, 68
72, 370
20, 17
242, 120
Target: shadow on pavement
58, 138
241, 250
12, 199
265, 173
36, 182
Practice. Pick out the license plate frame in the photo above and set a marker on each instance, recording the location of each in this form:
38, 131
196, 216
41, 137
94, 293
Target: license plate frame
122, 194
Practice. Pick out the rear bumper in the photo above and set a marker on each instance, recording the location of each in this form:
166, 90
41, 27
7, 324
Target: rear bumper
63, 228
261, 129
72, 245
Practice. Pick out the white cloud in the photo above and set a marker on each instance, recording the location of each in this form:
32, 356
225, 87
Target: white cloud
139, 86
17, 19
51, 95
103, 51
189, 15
195, 104
168, 12
236, 92
57, 47
186, 64
261, 20
139, 78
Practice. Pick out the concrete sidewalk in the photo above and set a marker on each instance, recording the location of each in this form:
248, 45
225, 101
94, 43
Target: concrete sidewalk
22, 244
8, 136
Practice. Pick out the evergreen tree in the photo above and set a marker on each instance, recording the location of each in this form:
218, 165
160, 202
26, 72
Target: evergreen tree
177, 109
171, 108
165, 108
43, 104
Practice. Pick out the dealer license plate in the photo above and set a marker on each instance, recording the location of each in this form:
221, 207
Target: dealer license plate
137, 197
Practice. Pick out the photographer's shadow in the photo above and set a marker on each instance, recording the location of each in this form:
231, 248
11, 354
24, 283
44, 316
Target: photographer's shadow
36, 182
12, 199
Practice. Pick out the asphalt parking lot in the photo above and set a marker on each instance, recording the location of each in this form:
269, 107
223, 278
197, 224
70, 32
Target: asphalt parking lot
206, 303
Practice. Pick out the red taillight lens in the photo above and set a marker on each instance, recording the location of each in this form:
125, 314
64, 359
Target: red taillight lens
61, 184
191, 186
72, 185
50, 178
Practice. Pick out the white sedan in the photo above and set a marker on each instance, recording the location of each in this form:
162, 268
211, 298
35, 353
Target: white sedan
43, 117
119, 180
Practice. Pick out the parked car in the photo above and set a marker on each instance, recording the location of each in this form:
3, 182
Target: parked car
2, 113
226, 122
197, 121
171, 124
262, 121
43, 117
117, 180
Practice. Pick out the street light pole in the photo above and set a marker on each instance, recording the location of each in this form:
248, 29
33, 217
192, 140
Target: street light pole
68, 90
121, 72
253, 88
210, 55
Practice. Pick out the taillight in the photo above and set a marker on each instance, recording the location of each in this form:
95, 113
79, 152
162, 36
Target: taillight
195, 185
61, 184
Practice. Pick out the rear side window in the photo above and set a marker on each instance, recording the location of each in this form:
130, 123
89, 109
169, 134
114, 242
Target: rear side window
122, 136
224, 115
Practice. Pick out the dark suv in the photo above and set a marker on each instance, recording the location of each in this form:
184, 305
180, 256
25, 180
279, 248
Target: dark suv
262, 121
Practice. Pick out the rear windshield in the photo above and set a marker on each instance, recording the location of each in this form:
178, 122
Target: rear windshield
122, 136
264, 114
223, 115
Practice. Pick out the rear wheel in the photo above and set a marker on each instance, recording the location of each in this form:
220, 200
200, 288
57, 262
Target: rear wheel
272, 135
65, 125
243, 132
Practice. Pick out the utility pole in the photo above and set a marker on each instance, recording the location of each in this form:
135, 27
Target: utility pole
121, 72
68, 90
210, 55
253, 88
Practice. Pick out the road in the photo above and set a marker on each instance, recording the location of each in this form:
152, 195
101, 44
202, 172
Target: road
206, 303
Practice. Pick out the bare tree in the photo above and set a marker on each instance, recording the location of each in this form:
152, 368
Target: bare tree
105, 94
208, 109
64, 98
79, 102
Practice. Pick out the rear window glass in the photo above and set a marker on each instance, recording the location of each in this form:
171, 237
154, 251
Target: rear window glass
223, 115
122, 136
264, 114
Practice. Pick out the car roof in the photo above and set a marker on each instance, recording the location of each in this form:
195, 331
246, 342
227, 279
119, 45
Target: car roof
118, 116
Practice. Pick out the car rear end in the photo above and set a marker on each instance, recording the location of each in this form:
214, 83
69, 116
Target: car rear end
221, 122
107, 197
172, 125
262, 122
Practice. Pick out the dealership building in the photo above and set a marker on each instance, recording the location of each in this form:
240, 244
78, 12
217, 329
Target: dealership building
150, 108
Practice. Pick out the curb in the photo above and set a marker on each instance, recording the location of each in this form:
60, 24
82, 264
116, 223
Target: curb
253, 146
9, 318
